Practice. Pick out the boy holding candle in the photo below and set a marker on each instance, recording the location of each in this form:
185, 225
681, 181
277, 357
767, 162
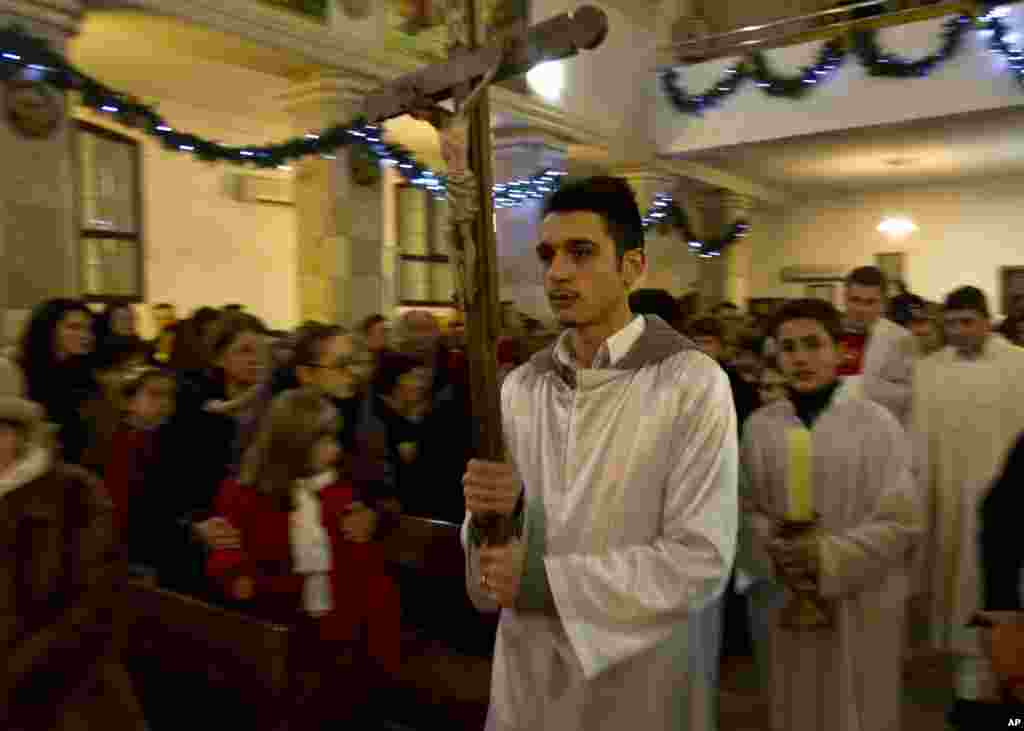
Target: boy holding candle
830, 512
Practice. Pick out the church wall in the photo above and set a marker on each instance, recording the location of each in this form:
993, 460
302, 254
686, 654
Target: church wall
967, 231
203, 246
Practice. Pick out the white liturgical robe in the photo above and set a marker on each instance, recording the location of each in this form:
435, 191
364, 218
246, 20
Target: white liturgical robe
888, 367
967, 415
630, 478
847, 678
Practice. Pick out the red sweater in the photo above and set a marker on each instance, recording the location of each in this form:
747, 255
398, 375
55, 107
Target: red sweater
365, 597
125, 474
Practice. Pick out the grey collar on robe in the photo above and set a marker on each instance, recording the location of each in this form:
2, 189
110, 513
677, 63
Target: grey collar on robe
659, 341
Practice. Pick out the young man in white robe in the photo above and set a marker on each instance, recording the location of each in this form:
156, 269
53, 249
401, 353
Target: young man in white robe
877, 353
623, 447
825, 452
968, 409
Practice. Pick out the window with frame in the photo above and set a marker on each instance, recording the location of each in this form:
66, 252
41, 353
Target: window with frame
110, 215
425, 276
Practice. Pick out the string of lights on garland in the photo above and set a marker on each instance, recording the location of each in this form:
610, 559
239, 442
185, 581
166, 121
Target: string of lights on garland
665, 211
879, 62
1001, 44
32, 57
865, 46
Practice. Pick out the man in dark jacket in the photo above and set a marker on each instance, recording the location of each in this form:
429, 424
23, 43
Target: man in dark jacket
709, 335
1002, 622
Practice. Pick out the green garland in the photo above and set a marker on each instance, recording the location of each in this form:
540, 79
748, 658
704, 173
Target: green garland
665, 211
831, 55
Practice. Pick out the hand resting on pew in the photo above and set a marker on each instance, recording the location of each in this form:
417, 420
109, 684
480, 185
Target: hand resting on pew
218, 533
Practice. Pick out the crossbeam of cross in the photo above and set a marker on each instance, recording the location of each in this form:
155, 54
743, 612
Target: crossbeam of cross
465, 144
562, 36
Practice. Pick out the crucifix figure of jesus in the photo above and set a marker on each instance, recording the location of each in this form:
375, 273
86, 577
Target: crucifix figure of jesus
465, 135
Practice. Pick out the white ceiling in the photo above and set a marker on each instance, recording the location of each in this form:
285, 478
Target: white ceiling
924, 151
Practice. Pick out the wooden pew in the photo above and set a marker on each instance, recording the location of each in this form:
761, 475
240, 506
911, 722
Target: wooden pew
254, 659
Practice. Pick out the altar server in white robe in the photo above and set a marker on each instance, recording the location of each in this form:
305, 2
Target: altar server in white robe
622, 438
968, 410
825, 451
879, 352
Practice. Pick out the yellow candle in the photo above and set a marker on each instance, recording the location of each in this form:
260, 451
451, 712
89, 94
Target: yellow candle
798, 483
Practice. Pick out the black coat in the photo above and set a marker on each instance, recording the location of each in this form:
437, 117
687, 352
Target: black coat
1002, 550
744, 396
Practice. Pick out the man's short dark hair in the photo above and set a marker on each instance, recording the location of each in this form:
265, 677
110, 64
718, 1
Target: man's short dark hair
654, 302
610, 198
163, 306
706, 327
868, 277
717, 309
967, 298
811, 309
233, 308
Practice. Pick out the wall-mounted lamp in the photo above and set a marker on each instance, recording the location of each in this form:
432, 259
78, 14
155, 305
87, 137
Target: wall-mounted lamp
897, 227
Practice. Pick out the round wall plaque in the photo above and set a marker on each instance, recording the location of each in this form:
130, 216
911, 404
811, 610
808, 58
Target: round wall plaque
33, 108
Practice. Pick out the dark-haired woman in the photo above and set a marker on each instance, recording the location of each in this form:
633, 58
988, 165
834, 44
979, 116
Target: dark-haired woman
211, 404
55, 358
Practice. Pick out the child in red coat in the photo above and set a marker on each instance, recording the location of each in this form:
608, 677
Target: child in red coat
145, 398
307, 558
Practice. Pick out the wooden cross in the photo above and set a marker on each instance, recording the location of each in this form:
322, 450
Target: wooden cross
466, 145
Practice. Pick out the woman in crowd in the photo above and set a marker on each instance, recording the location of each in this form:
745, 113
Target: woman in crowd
401, 398
55, 358
308, 557
115, 333
190, 356
333, 360
47, 511
211, 405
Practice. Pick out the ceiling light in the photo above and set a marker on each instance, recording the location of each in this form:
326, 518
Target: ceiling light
897, 227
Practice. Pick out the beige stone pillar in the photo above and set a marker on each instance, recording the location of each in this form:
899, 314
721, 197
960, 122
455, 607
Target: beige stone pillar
737, 256
38, 233
345, 272
519, 154
666, 255
712, 268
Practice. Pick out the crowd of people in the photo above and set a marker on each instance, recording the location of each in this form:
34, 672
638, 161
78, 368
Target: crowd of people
877, 454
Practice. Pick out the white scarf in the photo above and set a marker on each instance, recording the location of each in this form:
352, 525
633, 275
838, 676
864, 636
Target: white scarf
311, 547
28, 468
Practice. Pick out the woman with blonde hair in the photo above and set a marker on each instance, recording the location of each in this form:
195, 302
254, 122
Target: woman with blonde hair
307, 557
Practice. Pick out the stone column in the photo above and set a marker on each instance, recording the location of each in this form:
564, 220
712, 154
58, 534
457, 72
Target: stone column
712, 269
671, 265
344, 270
737, 257
520, 153
38, 232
